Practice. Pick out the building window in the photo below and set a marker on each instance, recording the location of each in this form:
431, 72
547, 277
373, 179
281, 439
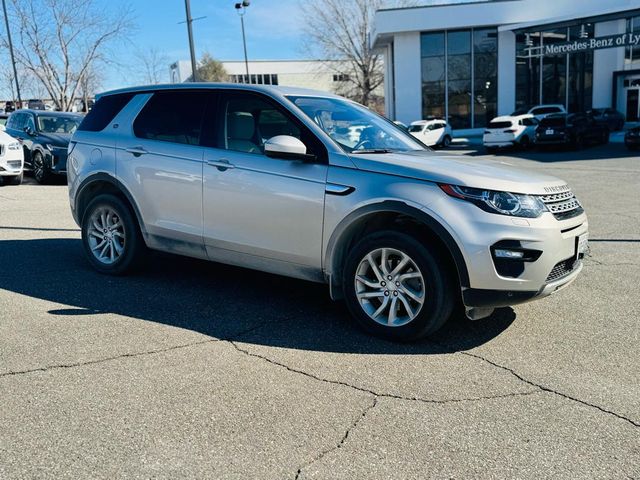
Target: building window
632, 53
340, 77
256, 79
565, 79
459, 76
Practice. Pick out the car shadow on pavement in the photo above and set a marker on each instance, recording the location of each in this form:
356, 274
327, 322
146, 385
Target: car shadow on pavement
213, 299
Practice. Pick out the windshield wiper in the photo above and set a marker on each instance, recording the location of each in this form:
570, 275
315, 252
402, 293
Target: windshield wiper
373, 150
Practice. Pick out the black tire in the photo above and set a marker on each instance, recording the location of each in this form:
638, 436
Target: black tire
438, 287
525, 142
132, 242
490, 150
578, 143
446, 141
14, 180
605, 137
40, 168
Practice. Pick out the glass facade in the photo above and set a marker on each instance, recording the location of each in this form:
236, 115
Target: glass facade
565, 79
460, 76
632, 54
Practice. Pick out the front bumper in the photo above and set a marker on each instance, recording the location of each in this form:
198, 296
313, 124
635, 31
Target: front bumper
57, 161
554, 244
11, 163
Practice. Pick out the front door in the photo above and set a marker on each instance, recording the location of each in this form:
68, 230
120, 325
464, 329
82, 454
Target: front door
261, 211
633, 104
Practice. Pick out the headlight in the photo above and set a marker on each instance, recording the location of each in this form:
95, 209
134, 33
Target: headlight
504, 203
13, 146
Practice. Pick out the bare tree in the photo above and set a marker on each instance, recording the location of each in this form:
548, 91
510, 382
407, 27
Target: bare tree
153, 66
339, 33
58, 41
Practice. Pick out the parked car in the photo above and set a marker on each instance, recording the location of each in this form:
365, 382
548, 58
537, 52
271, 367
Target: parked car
541, 111
575, 130
3, 120
9, 107
11, 160
36, 104
632, 138
613, 119
249, 175
433, 133
45, 137
508, 131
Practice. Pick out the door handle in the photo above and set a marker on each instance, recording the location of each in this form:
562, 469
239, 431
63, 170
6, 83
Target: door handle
221, 165
136, 151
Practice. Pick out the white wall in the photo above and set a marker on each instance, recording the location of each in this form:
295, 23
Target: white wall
408, 77
506, 73
605, 62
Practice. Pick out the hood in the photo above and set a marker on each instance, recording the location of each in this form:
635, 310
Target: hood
56, 139
453, 169
5, 138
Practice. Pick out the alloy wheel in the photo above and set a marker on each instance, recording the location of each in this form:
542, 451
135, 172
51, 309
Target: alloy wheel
106, 235
390, 287
38, 166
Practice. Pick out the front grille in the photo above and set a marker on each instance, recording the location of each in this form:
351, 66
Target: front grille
562, 269
563, 205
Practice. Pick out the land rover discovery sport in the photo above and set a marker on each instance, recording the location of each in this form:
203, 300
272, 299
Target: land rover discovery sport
271, 178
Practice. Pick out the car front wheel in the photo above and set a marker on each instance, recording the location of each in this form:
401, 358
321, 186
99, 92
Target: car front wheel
110, 236
396, 288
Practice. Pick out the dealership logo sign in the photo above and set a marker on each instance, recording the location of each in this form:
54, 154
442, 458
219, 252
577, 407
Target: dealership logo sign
586, 44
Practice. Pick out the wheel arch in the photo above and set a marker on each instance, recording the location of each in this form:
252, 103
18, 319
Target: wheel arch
386, 214
100, 183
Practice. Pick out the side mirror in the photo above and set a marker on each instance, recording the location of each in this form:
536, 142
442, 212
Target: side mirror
287, 147
29, 131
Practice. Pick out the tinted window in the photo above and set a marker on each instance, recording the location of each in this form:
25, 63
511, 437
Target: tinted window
172, 116
544, 110
28, 122
527, 122
553, 121
499, 124
415, 128
105, 109
16, 121
250, 120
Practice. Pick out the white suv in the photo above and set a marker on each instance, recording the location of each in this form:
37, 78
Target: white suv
266, 178
433, 133
510, 131
11, 160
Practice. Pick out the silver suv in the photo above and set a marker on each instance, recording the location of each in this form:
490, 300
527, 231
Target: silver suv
314, 186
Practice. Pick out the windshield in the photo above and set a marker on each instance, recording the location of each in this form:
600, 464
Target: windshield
355, 128
55, 124
553, 121
416, 128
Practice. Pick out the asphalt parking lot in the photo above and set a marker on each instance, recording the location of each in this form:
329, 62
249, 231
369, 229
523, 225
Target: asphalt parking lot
194, 369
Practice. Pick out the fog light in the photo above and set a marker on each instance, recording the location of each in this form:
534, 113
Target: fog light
503, 253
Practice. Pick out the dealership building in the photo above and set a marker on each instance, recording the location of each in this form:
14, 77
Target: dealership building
469, 62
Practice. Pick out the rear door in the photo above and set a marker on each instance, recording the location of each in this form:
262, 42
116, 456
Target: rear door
159, 159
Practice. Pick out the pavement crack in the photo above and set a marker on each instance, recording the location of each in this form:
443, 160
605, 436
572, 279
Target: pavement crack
342, 441
373, 392
550, 390
106, 359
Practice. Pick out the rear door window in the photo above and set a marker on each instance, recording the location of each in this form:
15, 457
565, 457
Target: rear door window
172, 116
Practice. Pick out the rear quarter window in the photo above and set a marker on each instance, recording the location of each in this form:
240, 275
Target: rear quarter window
104, 110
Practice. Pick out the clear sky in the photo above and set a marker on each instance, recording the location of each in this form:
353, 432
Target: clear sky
272, 29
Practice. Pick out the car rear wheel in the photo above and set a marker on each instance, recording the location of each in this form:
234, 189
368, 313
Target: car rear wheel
446, 141
396, 288
525, 143
40, 169
110, 236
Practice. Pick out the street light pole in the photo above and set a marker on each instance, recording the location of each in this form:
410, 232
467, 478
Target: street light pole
13, 60
240, 7
194, 75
